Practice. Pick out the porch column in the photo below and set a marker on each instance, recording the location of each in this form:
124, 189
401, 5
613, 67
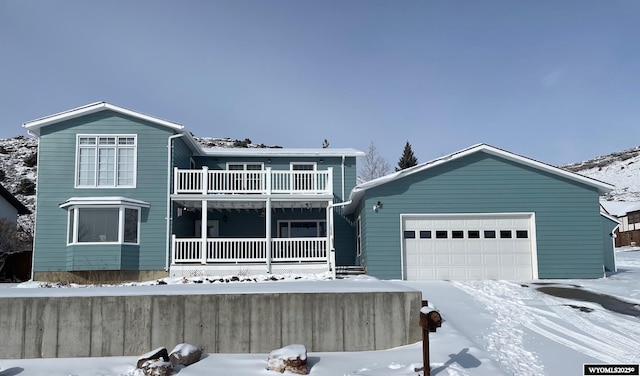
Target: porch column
331, 252
267, 219
203, 233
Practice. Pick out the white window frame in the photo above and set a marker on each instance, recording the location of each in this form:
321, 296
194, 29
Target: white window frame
116, 147
74, 204
302, 181
290, 221
75, 212
244, 165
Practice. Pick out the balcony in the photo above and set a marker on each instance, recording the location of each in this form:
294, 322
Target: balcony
266, 182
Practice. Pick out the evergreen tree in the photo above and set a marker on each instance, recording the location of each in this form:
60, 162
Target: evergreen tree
374, 166
408, 159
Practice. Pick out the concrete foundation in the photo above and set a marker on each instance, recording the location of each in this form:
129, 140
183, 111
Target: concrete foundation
51, 327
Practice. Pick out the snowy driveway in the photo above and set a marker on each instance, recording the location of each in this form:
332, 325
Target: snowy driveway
528, 332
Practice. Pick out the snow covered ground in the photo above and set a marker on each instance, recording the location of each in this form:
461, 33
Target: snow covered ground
489, 328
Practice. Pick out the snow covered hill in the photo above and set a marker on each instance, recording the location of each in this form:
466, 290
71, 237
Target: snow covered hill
622, 169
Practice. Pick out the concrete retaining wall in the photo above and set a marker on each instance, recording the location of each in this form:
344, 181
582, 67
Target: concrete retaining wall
41, 327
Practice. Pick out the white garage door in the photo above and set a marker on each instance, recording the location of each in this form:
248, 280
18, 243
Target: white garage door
469, 246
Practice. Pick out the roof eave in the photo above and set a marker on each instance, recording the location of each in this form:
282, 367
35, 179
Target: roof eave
34, 126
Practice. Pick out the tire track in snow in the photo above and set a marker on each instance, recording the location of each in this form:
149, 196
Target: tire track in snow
576, 330
623, 337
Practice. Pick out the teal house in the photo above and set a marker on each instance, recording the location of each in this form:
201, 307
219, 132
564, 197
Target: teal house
482, 213
122, 195
126, 196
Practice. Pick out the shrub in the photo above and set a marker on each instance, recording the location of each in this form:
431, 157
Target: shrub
31, 160
26, 187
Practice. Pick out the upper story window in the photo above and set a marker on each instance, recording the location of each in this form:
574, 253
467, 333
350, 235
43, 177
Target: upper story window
245, 181
304, 176
634, 217
106, 161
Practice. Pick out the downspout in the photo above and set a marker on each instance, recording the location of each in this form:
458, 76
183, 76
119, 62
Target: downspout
342, 166
35, 209
168, 217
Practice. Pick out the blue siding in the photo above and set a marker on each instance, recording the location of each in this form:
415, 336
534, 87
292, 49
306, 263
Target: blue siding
56, 172
568, 226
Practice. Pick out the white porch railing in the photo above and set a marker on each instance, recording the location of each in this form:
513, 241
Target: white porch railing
236, 250
267, 181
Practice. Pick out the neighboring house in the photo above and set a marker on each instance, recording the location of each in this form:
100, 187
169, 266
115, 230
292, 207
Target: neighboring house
124, 195
15, 266
628, 213
482, 213
11, 207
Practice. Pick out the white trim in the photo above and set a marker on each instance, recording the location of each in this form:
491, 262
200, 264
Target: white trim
282, 152
532, 232
314, 164
290, 221
75, 211
244, 164
34, 126
97, 146
104, 201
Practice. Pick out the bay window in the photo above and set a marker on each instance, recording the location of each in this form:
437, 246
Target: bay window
103, 220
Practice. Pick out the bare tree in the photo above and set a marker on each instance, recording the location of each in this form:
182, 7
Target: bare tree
373, 166
13, 240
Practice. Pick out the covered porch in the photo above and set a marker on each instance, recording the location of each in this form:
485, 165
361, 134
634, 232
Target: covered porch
213, 235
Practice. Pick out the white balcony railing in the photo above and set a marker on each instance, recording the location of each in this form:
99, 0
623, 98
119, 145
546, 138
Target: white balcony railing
236, 250
205, 181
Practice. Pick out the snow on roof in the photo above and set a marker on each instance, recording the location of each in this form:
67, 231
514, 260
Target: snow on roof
283, 152
620, 208
34, 126
358, 192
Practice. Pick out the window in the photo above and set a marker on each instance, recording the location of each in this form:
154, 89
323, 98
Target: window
108, 224
302, 229
251, 181
633, 218
441, 234
303, 177
456, 234
522, 234
114, 220
505, 234
473, 234
489, 234
408, 234
425, 234
106, 161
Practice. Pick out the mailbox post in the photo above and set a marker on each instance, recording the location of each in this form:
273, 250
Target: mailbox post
429, 321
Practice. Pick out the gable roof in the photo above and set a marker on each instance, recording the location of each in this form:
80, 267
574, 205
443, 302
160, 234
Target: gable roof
358, 191
13, 201
34, 126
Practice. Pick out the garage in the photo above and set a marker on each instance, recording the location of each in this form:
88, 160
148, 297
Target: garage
468, 246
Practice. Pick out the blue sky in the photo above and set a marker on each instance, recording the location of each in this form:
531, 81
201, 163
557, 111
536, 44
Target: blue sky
554, 80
